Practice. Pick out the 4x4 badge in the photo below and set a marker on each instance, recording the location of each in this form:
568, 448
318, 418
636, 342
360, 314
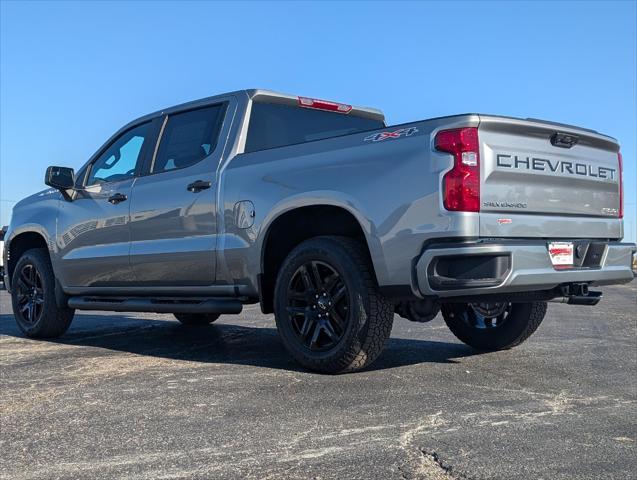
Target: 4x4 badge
401, 132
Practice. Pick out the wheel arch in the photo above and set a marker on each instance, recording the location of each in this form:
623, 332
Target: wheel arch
21, 242
295, 225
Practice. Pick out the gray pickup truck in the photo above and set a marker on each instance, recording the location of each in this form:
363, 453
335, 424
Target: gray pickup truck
328, 218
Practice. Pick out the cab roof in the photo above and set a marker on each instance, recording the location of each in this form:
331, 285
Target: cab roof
269, 96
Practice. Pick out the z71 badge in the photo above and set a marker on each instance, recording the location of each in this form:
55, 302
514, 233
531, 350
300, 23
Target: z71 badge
401, 132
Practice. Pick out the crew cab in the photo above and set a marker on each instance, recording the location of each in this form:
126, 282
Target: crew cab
329, 219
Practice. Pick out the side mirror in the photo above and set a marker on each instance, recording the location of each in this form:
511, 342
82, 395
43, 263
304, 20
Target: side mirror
62, 178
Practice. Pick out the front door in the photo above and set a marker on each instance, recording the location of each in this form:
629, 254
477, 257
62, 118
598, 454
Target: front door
173, 208
93, 229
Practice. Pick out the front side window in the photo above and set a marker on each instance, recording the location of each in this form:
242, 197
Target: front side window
119, 161
188, 138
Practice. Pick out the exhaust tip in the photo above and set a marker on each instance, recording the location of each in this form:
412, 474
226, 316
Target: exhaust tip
591, 298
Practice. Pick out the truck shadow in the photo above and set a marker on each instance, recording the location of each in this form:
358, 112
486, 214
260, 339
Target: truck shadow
255, 344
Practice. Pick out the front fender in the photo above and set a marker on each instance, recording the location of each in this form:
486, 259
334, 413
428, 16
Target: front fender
35, 214
10, 238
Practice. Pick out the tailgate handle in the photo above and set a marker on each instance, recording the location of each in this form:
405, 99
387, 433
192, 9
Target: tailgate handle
564, 140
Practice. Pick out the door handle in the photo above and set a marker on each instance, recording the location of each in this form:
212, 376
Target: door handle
198, 186
116, 198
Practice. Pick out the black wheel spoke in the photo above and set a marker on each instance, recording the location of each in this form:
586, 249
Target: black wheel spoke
25, 276
315, 337
297, 310
22, 287
305, 276
337, 320
298, 296
318, 282
329, 331
331, 282
339, 295
308, 323
25, 306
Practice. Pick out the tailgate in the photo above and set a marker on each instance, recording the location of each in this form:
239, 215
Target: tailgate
540, 179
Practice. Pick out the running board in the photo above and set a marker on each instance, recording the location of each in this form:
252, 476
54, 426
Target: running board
157, 305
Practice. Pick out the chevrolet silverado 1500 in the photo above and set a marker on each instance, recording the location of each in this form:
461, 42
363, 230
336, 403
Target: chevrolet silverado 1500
330, 219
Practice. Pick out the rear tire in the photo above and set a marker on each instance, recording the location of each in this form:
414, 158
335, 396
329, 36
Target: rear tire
196, 318
493, 326
328, 310
35, 308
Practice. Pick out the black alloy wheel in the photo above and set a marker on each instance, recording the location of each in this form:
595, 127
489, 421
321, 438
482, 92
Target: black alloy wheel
318, 305
30, 294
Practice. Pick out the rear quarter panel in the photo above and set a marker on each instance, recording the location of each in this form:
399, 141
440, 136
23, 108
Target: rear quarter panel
391, 187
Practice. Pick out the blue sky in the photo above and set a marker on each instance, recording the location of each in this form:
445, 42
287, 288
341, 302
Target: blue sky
73, 73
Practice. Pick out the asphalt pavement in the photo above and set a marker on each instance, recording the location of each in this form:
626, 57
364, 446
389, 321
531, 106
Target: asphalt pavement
140, 396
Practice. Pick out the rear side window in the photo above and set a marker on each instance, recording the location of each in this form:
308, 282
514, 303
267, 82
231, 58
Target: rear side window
188, 138
274, 125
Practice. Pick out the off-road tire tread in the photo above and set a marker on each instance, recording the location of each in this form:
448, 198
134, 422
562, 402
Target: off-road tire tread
538, 311
381, 311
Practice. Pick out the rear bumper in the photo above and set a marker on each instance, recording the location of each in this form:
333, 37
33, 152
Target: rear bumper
508, 267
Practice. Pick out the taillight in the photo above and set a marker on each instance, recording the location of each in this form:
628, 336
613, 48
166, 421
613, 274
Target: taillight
324, 105
621, 185
461, 184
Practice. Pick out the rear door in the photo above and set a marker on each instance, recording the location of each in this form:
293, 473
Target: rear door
546, 180
173, 212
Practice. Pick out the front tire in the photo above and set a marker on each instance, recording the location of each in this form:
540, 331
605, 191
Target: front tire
328, 310
196, 318
35, 309
493, 326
